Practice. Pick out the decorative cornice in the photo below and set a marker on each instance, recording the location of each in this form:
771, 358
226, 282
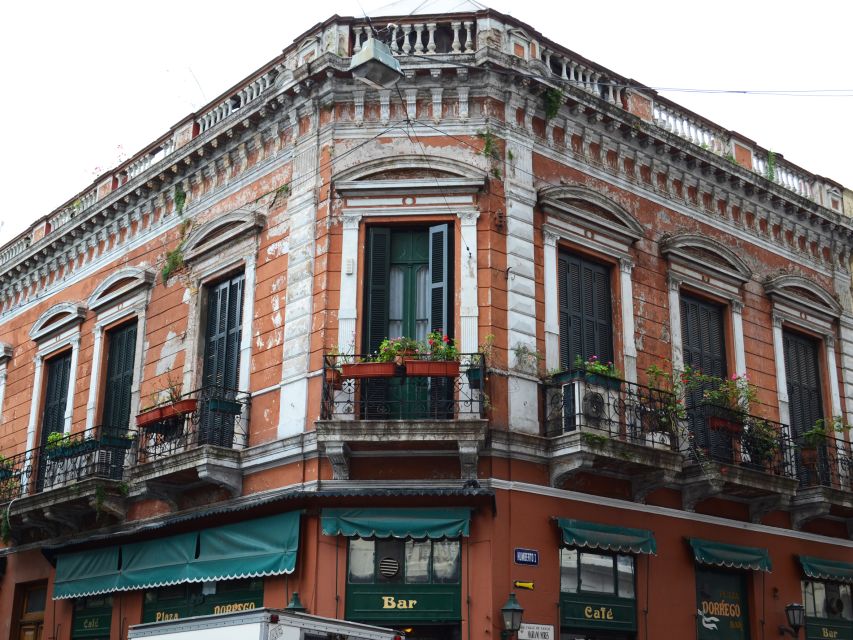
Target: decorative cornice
59, 317
680, 246
803, 294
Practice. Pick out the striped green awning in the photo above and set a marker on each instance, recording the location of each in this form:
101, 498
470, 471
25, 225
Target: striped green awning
450, 522
592, 535
86, 573
254, 548
833, 570
734, 556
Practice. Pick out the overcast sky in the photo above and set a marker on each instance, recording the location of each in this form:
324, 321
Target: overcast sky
87, 83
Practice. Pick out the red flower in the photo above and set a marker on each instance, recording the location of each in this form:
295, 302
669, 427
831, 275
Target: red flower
446, 339
431, 342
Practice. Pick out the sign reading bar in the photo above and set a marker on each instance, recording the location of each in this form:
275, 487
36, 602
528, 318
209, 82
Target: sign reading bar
526, 556
529, 631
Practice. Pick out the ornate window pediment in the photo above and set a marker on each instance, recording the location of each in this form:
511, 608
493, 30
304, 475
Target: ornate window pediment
410, 174
222, 230
705, 262
59, 317
120, 285
597, 214
802, 297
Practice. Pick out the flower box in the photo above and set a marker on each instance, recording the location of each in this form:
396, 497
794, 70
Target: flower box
5, 473
116, 442
369, 370
475, 377
149, 416
718, 423
73, 449
432, 368
179, 408
334, 379
592, 379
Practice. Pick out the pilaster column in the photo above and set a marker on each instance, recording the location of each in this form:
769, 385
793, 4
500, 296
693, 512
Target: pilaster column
5, 356
781, 375
737, 332
832, 372
673, 285
94, 377
249, 279
629, 345
72, 383
34, 402
552, 310
468, 307
347, 314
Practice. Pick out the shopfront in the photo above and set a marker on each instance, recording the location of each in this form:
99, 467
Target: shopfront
722, 580
598, 579
828, 598
216, 570
404, 567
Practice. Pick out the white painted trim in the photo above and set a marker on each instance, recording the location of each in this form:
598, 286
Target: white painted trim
673, 285
629, 345
832, 375
736, 307
72, 383
469, 311
622, 505
781, 373
552, 311
348, 311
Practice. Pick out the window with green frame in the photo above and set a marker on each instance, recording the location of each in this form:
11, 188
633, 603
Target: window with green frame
830, 600
395, 561
92, 618
202, 598
596, 573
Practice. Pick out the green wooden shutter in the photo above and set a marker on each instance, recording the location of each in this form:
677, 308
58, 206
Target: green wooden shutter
56, 395
224, 330
376, 303
439, 319
703, 347
804, 389
121, 343
585, 307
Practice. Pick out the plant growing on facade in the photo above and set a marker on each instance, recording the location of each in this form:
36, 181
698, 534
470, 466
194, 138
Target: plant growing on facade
761, 441
180, 199
822, 430
553, 100
770, 169
439, 346
526, 359
735, 393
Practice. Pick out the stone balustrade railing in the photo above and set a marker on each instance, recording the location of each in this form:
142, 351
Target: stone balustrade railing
698, 132
244, 96
15, 248
784, 175
149, 159
582, 77
421, 38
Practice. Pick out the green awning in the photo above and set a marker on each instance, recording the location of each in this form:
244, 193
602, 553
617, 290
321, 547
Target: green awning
450, 522
733, 556
262, 547
592, 535
833, 570
157, 563
86, 573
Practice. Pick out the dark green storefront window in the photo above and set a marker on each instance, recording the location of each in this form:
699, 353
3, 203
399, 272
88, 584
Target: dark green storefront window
722, 605
597, 591
92, 618
404, 580
202, 599
829, 609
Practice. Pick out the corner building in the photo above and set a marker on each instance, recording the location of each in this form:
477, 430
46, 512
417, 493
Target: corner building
187, 427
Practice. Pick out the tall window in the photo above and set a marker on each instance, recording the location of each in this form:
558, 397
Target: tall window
121, 343
704, 348
55, 403
804, 389
394, 561
586, 316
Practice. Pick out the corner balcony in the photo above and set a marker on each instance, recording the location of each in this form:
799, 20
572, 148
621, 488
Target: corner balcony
740, 457
612, 427
68, 485
418, 404
825, 473
191, 442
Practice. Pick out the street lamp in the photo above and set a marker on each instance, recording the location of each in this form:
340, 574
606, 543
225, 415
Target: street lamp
794, 613
295, 605
511, 613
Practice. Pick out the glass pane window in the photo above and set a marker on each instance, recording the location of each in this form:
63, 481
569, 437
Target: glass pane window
827, 600
596, 573
395, 310
625, 576
422, 304
569, 570
446, 558
361, 560
417, 561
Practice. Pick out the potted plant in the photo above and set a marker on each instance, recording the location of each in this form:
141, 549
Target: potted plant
6, 468
474, 371
174, 406
60, 445
117, 439
760, 443
597, 372
439, 359
728, 401
815, 438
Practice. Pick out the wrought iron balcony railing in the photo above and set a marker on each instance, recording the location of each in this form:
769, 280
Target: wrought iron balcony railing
723, 435
208, 416
95, 453
611, 408
410, 389
825, 464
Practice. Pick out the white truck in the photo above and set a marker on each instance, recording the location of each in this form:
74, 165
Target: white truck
261, 624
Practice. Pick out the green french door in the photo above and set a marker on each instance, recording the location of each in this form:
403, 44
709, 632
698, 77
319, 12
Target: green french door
55, 401
406, 295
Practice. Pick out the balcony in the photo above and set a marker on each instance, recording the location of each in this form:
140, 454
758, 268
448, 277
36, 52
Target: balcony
365, 407
612, 427
740, 457
825, 474
191, 442
67, 484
